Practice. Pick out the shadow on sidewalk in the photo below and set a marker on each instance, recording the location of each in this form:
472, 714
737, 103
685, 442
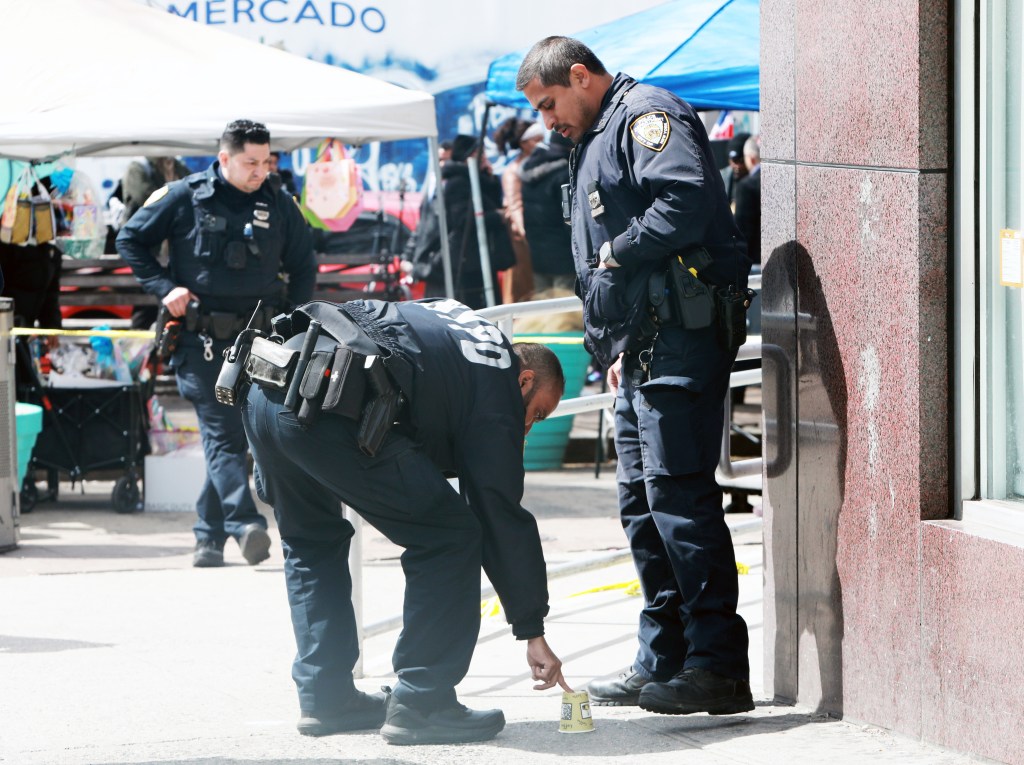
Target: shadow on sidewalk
645, 735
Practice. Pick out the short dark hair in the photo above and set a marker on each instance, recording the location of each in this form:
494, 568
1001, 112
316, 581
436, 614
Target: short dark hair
550, 60
240, 132
544, 363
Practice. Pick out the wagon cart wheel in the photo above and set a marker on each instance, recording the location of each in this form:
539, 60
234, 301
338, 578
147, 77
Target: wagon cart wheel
29, 495
740, 503
126, 496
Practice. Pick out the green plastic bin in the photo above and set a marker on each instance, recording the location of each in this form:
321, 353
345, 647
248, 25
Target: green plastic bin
547, 440
30, 422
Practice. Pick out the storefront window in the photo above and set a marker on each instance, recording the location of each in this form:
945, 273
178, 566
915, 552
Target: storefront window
1001, 240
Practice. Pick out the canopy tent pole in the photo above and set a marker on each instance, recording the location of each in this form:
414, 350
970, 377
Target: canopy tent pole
481, 229
442, 216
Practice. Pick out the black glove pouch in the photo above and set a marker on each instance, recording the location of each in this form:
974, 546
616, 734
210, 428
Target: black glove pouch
347, 386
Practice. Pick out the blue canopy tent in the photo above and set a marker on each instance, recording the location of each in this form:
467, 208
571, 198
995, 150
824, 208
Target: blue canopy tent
705, 51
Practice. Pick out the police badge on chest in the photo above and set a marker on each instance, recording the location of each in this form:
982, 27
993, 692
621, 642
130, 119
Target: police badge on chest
261, 215
594, 198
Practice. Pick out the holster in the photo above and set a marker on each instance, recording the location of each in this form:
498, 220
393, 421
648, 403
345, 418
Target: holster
692, 300
660, 305
380, 413
731, 306
168, 331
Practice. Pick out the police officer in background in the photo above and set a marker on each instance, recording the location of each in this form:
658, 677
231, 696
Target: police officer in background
645, 194
231, 233
470, 398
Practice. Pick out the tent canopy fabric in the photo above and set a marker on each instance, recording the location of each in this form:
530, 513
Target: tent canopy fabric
121, 78
705, 51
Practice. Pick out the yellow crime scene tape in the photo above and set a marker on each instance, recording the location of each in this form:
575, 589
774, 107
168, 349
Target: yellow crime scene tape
548, 340
138, 334
492, 606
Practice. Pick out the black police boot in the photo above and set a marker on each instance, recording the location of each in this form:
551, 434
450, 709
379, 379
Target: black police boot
449, 725
254, 543
208, 554
697, 690
364, 711
623, 691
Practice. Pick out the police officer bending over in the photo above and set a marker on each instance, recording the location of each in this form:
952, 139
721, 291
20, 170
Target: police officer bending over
373, 404
231, 232
662, 272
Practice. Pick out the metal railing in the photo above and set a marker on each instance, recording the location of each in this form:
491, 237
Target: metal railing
728, 469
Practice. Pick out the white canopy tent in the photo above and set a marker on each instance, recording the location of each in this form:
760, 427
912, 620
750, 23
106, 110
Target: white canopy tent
121, 78
124, 79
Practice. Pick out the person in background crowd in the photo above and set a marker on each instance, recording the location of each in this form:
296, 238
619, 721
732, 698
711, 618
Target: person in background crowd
140, 181
287, 176
550, 239
444, 150
645, 195
737, 169
513, 134
31, 277
249, 230
423, 250
748, 198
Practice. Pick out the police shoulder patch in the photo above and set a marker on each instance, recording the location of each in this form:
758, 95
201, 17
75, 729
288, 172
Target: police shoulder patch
156, 196
651, 130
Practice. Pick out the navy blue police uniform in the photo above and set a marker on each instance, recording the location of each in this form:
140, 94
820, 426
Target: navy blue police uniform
229, 248
644, 179
464, 416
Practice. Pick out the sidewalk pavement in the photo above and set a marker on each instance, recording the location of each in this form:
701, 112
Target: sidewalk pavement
113, 649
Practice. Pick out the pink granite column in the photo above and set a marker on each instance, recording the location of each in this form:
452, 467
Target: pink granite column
855, 163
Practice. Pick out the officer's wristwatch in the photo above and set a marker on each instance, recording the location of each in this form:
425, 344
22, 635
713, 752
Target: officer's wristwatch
607, 256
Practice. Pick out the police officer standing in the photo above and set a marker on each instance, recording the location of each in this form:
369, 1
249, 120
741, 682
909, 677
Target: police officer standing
469, 399
647, 198
232, 231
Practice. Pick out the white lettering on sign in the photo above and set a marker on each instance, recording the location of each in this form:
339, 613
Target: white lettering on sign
324, 13
485, 344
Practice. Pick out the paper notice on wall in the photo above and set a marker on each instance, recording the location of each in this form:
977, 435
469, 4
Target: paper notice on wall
1011, 258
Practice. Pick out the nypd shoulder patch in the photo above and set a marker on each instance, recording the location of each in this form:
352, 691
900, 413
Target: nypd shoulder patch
156, 196
651, 130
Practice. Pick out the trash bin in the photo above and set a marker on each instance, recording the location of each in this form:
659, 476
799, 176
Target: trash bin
9, 427
30, 423
547, 440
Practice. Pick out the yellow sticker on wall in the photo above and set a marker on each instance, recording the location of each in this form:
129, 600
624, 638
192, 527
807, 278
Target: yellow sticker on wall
1011, 258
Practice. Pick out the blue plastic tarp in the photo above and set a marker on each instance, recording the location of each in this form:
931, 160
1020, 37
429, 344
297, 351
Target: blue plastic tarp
705, 51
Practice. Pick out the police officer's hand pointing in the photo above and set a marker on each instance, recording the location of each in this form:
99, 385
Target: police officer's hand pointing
545, 665
177, 300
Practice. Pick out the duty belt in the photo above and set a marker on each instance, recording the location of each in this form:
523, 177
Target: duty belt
225, 325
329, 377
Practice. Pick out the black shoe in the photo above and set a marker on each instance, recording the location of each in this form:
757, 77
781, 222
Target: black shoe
208, 554
697, 690
363, 712
623, 691
450, 725
255, 544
